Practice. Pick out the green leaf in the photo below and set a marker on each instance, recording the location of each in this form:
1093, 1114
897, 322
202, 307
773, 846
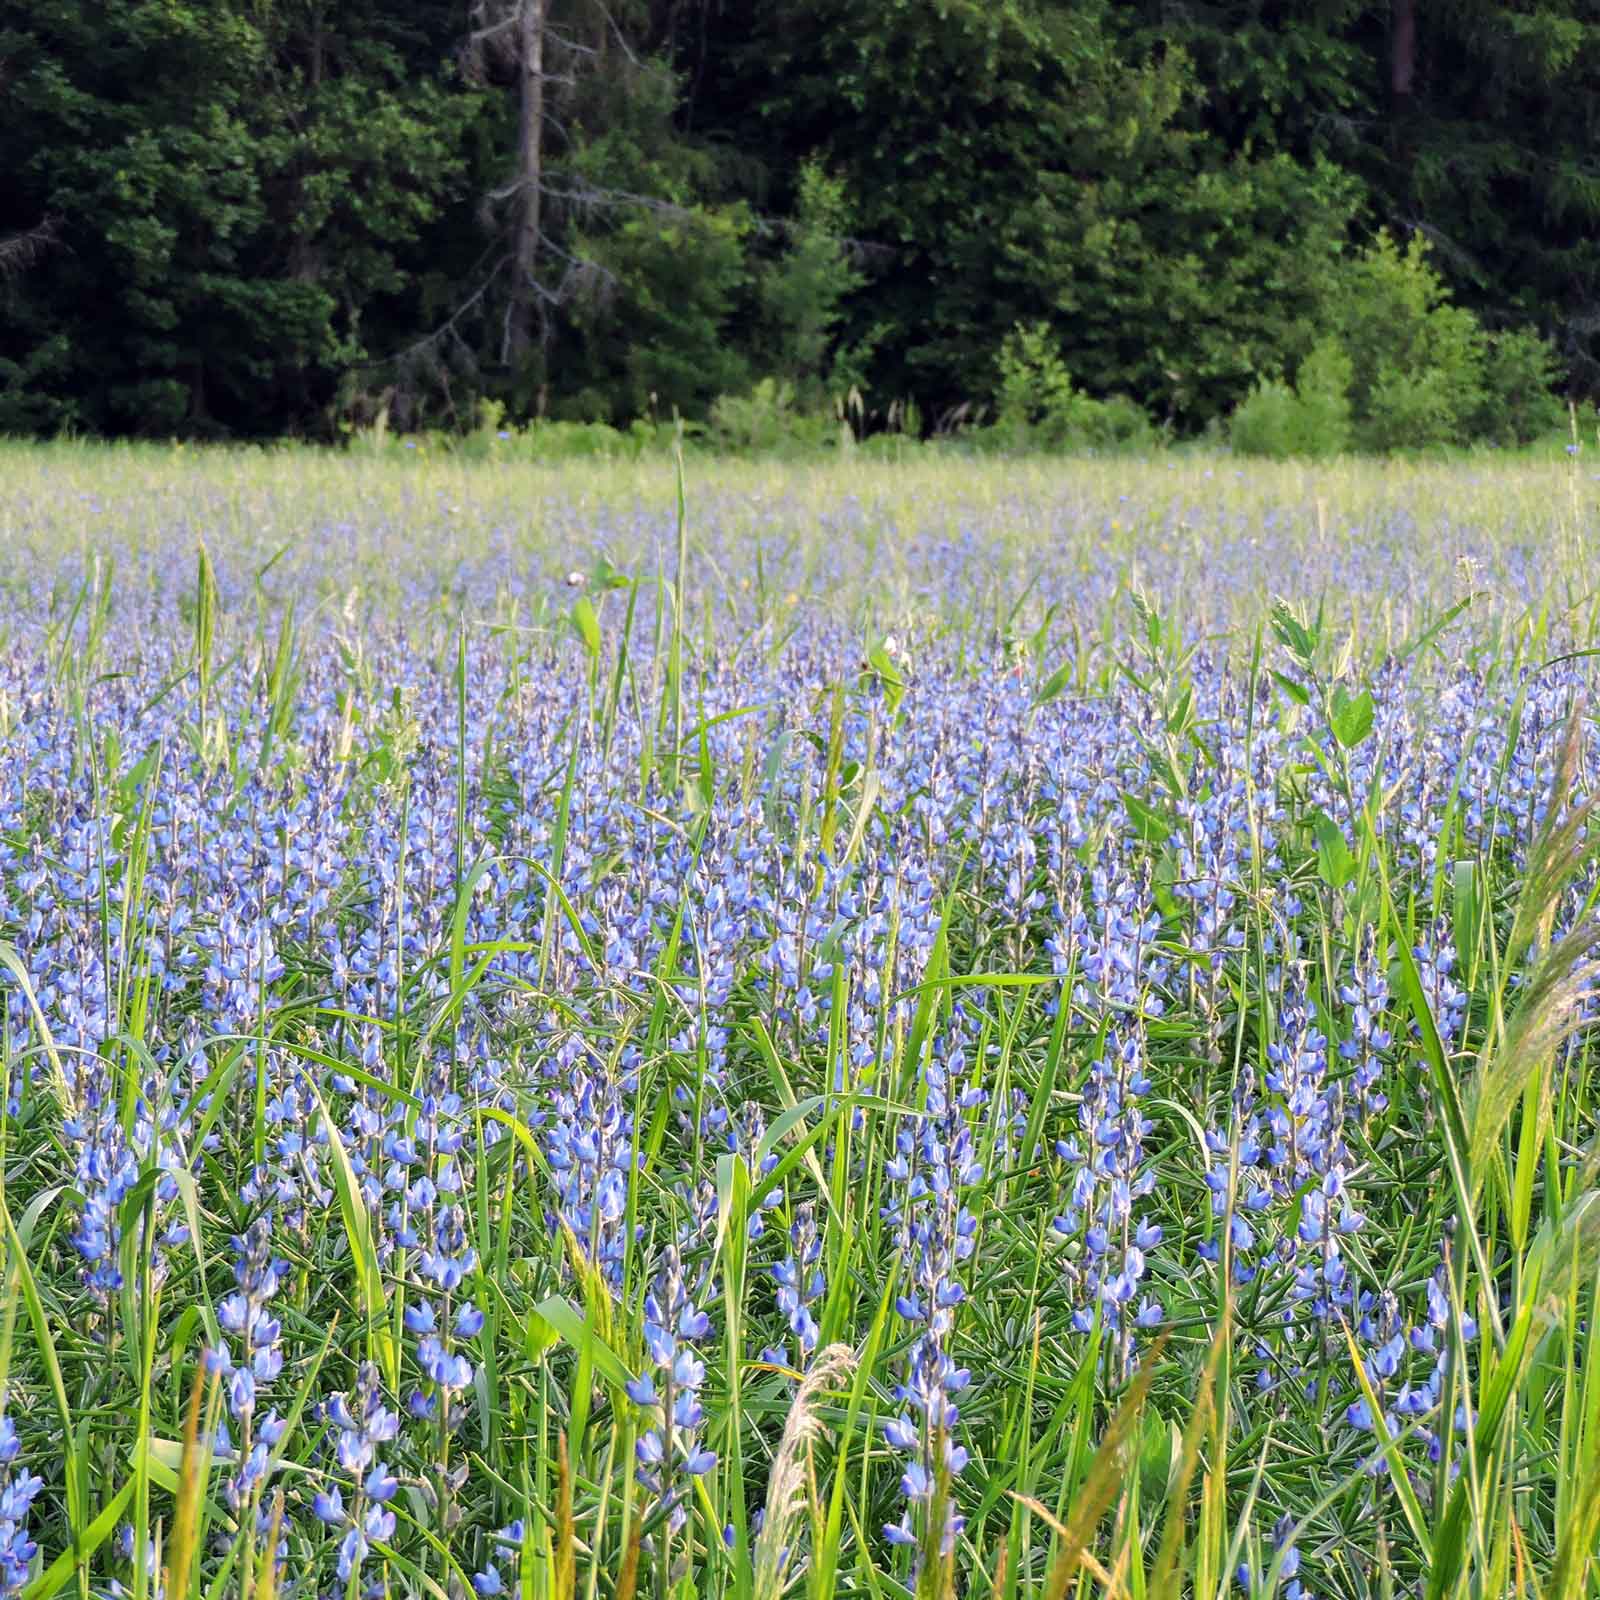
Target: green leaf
205, 612
54, 1577
537, 1335
572, 1326
191, 1213
586, 624
888, 674
15, 965
882, 663
1054, 685
1467, 922
1335, 862
1495, 1390
785, 1124
1152, 825
1294, 691
458, 925
1350, 716
1293, 634
363, 1253
44, 1340
567, 910
1421, 640
1389, 1447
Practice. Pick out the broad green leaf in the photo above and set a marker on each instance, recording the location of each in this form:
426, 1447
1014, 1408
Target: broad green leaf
586, 624
1351, 716
1054, 685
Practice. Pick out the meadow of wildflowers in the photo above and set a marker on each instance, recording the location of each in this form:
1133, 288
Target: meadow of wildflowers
962, 1028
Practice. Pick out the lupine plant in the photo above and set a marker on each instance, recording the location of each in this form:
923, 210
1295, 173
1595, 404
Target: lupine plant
978, 1028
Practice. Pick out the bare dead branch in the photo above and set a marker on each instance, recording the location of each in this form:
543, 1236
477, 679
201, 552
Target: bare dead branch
20, 251
432, 341
617, 33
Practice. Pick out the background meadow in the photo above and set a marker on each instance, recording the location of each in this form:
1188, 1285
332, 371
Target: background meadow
992, 1027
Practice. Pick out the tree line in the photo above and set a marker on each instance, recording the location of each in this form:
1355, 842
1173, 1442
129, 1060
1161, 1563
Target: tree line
262, 217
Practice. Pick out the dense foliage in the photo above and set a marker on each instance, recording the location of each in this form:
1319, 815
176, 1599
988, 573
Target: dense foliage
237, 218
909, 1034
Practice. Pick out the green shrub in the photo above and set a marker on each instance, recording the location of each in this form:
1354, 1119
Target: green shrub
1322, 388
1035, 386
892, 447
767, 420
1413, 408
1269, 421
547, 440
1037, 406
1398, 367
804, 291
1310, 419
1416, 360
1115, 423
1520, 405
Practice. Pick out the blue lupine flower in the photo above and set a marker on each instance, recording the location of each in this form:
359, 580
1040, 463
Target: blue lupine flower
487, 1581
1107, 1175
18, 1490
362, 1423
800, 1281
936, 1232
669, 1452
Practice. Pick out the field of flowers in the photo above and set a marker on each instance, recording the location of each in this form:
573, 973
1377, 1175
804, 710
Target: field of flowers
987, 1029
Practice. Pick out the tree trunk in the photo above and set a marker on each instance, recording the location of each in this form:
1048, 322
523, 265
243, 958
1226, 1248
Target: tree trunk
1402, 55
1402, 94
530, 178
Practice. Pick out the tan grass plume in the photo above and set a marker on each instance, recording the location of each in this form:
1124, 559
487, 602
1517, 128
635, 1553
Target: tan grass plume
788, 1483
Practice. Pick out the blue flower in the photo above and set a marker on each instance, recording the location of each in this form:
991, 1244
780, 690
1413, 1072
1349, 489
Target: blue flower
669, 1452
